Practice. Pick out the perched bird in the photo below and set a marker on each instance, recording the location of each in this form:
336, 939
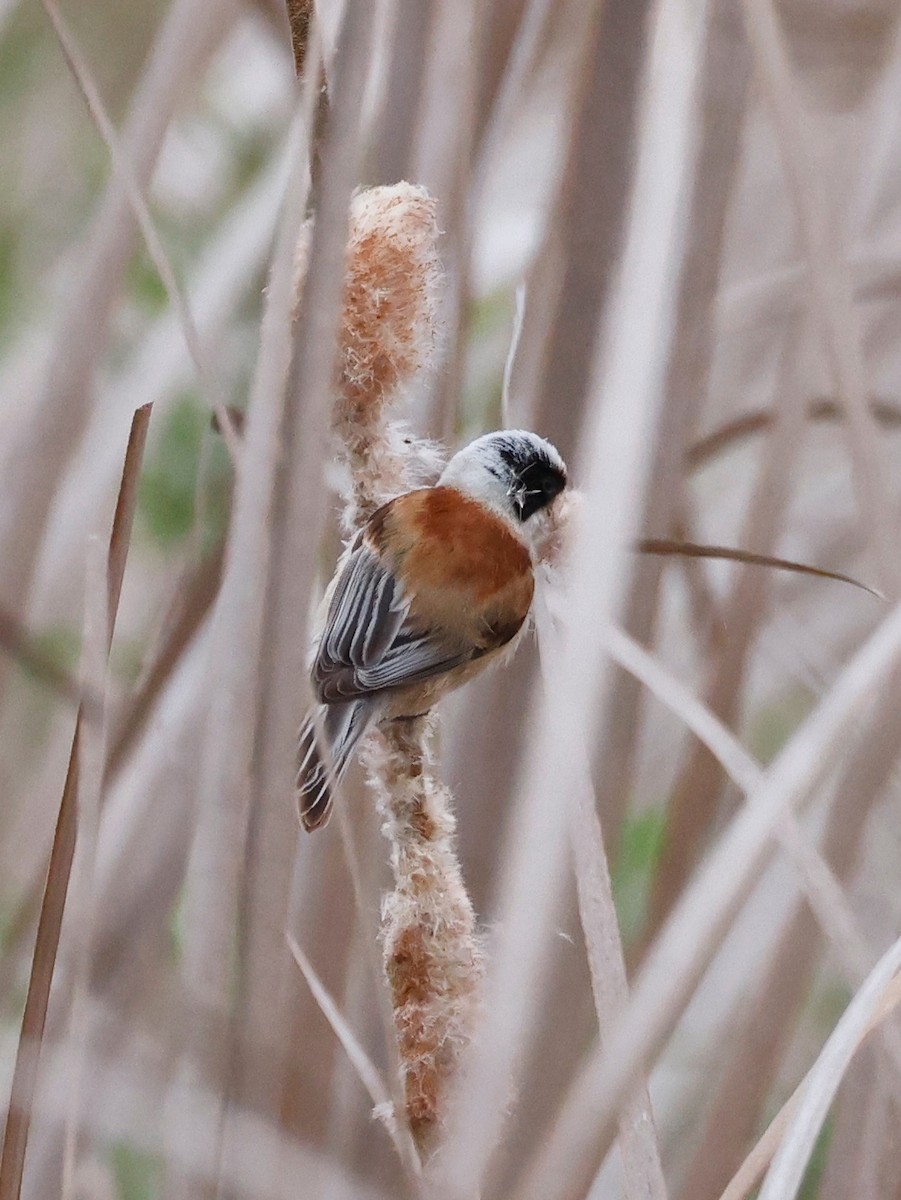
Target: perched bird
435, 586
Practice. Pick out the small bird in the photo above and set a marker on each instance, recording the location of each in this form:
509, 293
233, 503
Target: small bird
436, 586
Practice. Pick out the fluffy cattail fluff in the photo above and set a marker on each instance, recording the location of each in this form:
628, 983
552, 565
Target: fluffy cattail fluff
387, 342
432, 953
433, 956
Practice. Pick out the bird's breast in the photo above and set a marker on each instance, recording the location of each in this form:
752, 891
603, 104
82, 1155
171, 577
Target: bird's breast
458, 562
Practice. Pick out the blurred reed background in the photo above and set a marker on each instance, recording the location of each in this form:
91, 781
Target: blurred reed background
689, 214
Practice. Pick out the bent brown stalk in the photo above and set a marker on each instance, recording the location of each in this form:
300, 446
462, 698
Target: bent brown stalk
18, 1120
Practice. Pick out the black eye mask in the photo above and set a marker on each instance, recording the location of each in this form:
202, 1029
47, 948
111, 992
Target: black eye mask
536, 486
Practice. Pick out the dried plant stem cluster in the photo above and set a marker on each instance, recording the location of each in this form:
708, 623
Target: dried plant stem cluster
432, 954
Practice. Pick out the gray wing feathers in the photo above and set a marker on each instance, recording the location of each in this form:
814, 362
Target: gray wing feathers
339, 727
369, 644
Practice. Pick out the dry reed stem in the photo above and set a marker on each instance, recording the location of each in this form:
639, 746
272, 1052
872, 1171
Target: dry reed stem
544, 275
25, 1073
394, 137
432, 955
616, 461
82, 898
691, 936
873, 1003
693, 804
135, 193
266, 1012
442, 161
722, 105
36, 459
362, 1064
640, 1153
760, 1035
593, 208
301, 496
824, 247
236, 639
300, 19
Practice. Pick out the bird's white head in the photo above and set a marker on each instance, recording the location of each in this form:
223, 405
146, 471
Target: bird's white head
515, 473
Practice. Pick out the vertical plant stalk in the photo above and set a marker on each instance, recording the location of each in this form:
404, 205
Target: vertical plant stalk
639, 1150
723, 89
25, 1073
37, 458
689, 940
137, 199
300, 18
832, 297
218, 849
432, 954
692, 807
82, 892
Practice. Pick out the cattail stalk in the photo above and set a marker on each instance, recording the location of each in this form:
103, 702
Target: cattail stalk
432, 953
433, 957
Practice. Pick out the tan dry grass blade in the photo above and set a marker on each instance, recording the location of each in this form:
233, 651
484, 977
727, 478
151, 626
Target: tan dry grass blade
689, 939
722, 103
630, 373
218, 845
271, 674
878, 997
693, 803
133, 189
15, 1139
821, 409
830, 278
383, 1103
789, 1138
81, 902
300, 18
666, 547
37, 458
609, 985
824, 893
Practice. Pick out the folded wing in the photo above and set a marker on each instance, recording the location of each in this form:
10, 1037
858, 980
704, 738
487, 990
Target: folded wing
371, 642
